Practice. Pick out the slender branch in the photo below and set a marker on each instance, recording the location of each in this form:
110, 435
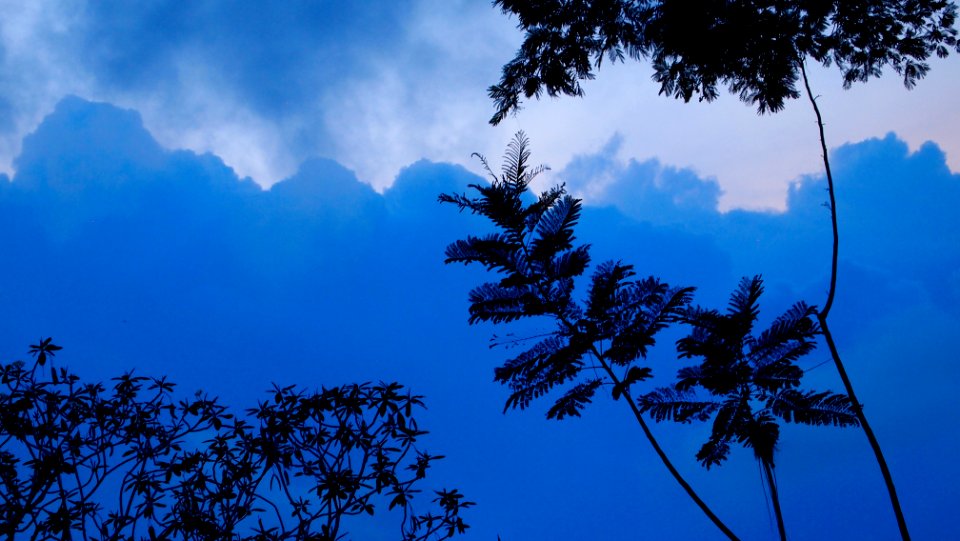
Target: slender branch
871, 437
822, 317
660, 453
833, 200
774, 497
643, 425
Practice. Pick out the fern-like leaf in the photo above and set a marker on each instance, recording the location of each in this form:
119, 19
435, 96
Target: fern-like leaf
573, 401
666, 404
604, 285
497, 304
813, 408
495, 251
744, 304
554, 230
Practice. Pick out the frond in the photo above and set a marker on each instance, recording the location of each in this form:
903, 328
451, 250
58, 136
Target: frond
709, 326
713, 453
633, 375
461, 201
604, 286
569, 264
486, 166
670, 305
644, 308
774, 376
534, 212
574, 400
760, 433
790, 337
554, 229
689, 377
718, 341
551, 362
666, 404
495, 251
498, 304
539, 378
733, 416
744, 306
813, 408
502, 204
517, 367
516, 170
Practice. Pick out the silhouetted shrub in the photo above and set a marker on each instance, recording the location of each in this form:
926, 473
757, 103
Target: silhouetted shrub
128, 460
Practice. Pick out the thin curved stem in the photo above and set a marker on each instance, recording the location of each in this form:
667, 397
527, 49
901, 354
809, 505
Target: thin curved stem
822, 317
774, 497
646, 431
871, 437
663, 456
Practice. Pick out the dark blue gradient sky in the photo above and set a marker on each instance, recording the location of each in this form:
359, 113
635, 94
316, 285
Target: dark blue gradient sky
138, 256
245, 193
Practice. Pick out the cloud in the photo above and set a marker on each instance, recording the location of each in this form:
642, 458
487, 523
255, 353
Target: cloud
379, 85
133, 255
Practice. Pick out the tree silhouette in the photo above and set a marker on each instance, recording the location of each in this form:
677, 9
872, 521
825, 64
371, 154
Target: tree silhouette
755, 48
130, 461
758, 49
751, 380
598, 342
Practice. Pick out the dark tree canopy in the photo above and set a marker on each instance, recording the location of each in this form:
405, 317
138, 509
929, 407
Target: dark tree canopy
755, 48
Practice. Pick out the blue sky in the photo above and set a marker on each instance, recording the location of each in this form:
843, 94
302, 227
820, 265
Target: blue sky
234, 194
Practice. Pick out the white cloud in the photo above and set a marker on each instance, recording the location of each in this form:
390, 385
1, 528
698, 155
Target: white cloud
424, 95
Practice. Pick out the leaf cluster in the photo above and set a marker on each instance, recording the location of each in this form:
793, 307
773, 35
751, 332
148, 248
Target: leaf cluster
753, 47
534, 252
130, 461
751, 380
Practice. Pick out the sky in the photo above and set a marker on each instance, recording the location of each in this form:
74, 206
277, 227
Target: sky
221, 191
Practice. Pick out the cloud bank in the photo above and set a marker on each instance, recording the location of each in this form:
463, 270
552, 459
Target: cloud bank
376, 86
134, 255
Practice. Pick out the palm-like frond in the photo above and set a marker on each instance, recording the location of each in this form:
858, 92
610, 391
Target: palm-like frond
756, 377
551, 362
666, 404
714, 336
515, 160
569, 264
774, 376
813, 408
744, 304
690, 377
574, 400
669, 305
554, 228
498, 304
556, 369
494, 251
605, 283
789, 337
761, 433
733, 417
519, 366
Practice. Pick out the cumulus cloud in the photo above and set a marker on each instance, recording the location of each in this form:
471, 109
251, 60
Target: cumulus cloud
380, 85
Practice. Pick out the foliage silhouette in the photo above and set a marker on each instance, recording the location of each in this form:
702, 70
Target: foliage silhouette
758, 49
130, 461
601, 341
752, 380
753, 47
